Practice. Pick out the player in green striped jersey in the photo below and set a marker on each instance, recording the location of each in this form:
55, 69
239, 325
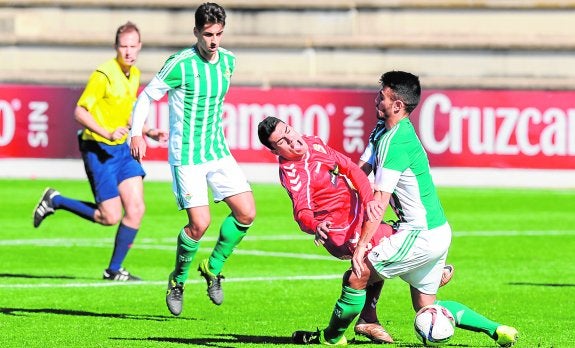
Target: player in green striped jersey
197, 80
417, 251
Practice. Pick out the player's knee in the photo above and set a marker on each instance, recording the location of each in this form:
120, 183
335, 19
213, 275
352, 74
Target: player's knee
359, 283
136, 212
246, 218
196, 229
109, 221
109, 218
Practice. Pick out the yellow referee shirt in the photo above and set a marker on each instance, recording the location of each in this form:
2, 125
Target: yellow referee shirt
109, 97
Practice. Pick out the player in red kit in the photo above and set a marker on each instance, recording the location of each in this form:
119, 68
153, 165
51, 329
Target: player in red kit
324, 202
332, 198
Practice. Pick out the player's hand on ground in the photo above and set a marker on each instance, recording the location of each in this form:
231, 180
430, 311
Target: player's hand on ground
321, 232
138, 147
119, 133
157, 134
375, 210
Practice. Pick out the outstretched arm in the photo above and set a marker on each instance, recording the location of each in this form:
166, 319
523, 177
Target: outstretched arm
139, 116
367, 231
157, 134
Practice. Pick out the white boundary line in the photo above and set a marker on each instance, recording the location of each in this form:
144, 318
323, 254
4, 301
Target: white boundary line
151, 243
101, 283
169, 243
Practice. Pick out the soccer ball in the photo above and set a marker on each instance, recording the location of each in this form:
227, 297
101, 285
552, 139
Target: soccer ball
434, 325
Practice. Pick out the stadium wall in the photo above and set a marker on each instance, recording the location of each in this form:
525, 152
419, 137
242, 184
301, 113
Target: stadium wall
473, 137
501, 44
504, 64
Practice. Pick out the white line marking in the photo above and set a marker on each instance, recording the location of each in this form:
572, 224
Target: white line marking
151, 243
103, 283
170, 243
106, 243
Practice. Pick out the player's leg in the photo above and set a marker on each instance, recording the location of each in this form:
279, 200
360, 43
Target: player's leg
119, 189
369, 313
423, 290
189, 240
446, 275
368, 324
347, 308
102, 177
232, 231
468, 319
132, 196
187, 246
51, 200
191, 192
229, 184
233, 228
425, 281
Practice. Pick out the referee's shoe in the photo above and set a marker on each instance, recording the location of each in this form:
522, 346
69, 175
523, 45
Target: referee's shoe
45, 207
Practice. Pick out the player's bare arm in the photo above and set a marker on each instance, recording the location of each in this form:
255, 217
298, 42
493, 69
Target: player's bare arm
375, 210
367, 232
139, 116
157, 134
138, 147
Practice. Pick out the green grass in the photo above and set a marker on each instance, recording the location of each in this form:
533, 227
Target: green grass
513, 252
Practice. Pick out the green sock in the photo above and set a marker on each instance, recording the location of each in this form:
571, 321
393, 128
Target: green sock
347, 307
186, 250
231, 234
468, 319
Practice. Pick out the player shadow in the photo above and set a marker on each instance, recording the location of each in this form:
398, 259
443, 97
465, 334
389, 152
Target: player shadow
24, 311
398, 343
32, 276
558, 285
219, 341
224, 341
417, 345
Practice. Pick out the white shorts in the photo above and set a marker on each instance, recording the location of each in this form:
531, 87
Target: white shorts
190, 182
416, 256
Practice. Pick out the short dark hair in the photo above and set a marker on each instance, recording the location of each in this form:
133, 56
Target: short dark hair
405, 87
265, 128
210, 12
126, 28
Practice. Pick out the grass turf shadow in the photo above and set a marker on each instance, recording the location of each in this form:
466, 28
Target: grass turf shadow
23, 311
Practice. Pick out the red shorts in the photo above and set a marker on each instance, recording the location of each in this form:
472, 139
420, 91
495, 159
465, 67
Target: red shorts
343, 248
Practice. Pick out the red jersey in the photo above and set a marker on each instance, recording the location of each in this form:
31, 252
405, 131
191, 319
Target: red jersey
320, 190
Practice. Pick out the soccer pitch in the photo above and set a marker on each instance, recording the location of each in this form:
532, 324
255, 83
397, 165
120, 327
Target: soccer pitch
512, 250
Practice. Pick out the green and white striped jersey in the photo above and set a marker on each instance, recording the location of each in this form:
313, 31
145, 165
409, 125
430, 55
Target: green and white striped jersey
402, 168
196, 90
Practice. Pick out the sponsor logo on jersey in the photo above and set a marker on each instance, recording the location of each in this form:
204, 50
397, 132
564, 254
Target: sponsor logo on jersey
333, 175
